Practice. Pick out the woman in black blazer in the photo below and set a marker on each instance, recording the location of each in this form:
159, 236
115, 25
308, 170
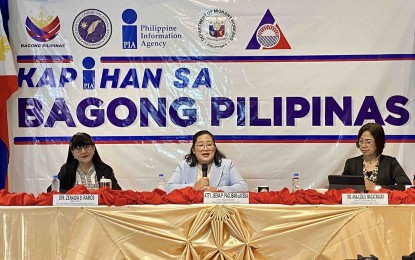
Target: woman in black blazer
84, 166
379, 171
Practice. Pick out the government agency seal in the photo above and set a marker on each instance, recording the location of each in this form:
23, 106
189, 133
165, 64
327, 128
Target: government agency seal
92, 28
216, 28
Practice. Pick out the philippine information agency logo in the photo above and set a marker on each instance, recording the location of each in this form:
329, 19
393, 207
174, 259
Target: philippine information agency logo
92, 28
129, 30
43, 28
268, 35
217, 28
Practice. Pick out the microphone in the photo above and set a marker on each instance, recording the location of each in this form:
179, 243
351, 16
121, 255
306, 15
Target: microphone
204, 170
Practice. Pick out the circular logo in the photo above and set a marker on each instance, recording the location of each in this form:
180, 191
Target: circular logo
268, 35
216, 28
92, 28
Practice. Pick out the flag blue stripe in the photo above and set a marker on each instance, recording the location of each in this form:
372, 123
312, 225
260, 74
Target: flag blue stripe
3, 164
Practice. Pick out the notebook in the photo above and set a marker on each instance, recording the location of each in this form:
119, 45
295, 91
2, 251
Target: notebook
339, 182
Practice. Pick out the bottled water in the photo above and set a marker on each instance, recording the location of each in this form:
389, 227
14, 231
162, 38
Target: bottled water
55, 183
105, 183
296, 182
161, 182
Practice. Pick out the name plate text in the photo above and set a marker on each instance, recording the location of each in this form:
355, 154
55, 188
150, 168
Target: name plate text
365, 199
75, 199
226, 198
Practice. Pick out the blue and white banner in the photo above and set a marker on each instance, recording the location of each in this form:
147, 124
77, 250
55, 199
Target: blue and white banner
283, 86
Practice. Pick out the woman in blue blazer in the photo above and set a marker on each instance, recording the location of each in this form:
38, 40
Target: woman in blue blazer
205, 157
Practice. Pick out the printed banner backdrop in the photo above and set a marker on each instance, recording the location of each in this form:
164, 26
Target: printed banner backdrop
283, 86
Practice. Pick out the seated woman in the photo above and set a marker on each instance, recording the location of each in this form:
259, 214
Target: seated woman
84, 166
379, 171
221, 172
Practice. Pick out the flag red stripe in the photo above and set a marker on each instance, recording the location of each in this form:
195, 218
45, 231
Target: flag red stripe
8, 85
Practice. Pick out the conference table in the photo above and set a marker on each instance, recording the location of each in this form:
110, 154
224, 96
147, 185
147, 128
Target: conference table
257, 230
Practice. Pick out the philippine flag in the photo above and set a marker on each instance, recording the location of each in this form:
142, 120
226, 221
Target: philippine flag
8, 85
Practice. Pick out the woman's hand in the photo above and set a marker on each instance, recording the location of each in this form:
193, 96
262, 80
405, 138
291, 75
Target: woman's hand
370, 185
212, 189
201, 184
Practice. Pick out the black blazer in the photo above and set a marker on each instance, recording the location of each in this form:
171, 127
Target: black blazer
67, 176
390, 173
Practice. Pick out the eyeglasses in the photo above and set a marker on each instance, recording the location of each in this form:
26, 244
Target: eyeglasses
209, 146
368, 143
87, 148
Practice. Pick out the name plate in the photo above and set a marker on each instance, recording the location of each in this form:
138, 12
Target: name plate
226, 198
365, 199
75, 200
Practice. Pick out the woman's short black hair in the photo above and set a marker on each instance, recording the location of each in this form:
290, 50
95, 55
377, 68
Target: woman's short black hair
79, 140
376, 130
191, 157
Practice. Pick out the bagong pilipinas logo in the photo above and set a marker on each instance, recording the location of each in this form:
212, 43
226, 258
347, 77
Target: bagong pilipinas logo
92, 28
44, 28
216, 28
268, 35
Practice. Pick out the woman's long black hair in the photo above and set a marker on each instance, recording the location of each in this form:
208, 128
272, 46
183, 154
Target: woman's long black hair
191, 157
81, 139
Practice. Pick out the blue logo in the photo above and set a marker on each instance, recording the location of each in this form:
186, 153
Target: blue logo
129, 31
88, 74
268, 35
92, 28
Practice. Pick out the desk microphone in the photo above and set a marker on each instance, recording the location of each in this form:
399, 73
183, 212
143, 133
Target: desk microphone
204, 170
